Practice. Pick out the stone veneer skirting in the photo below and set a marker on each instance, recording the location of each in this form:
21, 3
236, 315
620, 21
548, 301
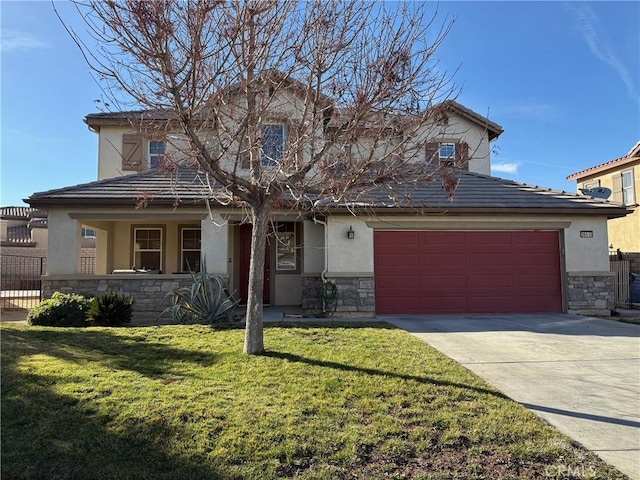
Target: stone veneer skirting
149, 291
591, 293
356, 295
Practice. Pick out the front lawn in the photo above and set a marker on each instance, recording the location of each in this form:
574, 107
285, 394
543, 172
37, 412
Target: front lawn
328, 401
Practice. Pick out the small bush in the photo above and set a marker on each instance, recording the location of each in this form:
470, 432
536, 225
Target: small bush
111, 309
61, 310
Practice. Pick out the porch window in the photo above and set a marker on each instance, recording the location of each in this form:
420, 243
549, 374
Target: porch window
147, 248
156, 153
286, 246
190, 245
273, 145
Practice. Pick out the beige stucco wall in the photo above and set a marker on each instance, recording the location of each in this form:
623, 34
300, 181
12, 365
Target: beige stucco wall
467, 131
64, 244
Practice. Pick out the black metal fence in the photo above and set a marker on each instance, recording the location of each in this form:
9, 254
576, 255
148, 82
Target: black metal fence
20, 284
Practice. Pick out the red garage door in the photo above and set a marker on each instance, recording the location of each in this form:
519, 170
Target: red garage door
467, 272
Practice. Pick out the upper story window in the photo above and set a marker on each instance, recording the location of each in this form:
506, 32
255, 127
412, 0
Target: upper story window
623, 187
273, 144
447, 152
88, 233
156, 153
452, 153
591, 184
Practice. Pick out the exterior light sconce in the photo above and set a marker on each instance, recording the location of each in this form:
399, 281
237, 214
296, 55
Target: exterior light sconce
350, 233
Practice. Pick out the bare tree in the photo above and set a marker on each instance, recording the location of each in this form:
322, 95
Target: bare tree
354, 82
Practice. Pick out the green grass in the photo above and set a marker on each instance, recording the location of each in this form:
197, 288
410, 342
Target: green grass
329, 401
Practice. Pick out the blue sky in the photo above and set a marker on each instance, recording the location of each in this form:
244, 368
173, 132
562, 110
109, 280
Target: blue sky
562, 78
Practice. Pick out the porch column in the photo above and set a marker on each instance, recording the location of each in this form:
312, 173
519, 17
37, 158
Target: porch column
64, 244
215, 244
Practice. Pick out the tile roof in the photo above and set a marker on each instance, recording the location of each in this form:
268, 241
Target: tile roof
21, 213
18, 236
632, 156
474, 193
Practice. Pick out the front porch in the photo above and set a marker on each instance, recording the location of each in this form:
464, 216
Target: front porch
148, 253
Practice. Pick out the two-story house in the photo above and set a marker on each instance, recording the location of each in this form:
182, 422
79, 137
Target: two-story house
493, 246
622, 179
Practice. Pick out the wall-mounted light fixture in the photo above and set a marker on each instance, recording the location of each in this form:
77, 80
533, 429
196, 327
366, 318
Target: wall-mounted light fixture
350, 233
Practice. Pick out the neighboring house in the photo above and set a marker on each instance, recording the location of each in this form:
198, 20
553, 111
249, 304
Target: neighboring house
23, 247
622, 177
496, 246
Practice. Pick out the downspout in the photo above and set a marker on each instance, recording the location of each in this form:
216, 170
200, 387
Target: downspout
323, 275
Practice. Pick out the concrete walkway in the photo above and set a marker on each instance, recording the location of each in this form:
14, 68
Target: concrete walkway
580, 374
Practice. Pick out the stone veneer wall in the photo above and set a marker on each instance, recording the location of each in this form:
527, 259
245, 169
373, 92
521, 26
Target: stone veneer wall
591, 293
356, 295
149, 291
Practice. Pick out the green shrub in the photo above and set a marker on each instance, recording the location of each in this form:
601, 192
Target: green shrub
205, 301
111, 309
61, 310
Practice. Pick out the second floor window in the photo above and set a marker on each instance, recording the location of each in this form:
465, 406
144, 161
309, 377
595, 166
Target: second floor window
273, 144
447, 152
623, 188
156, 153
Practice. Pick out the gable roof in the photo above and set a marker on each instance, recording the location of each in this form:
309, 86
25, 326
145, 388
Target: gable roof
474, 193
631, 157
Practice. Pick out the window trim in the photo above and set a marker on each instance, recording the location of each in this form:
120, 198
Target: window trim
159, 156
265, 161
629, 188
449, 158
292, 230
163, 239
181, 229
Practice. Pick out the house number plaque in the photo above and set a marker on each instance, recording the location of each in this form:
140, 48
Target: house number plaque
586, 233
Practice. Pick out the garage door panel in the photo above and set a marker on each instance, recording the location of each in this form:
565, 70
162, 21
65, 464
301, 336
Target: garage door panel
466, 272
408, 260
442, 260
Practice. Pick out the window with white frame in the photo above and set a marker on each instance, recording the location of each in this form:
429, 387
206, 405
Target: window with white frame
628, 194
147, 248
286, 246
273, 144
591, 184
156, 153
623, 187
190, 246
447, 152
88, 233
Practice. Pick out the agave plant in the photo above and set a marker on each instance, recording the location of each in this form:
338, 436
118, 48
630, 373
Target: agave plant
207, 300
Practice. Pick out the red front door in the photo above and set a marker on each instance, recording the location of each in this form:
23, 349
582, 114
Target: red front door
245, 256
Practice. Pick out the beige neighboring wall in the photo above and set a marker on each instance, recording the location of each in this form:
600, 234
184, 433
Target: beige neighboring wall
624, 233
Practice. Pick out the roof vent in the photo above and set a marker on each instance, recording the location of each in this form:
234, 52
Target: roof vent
597, 192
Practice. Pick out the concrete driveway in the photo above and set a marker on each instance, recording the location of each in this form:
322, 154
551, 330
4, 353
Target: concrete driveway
580, 374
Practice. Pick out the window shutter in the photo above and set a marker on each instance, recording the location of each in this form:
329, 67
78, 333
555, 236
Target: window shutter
132, 152
432, 152
462, 155
617, 187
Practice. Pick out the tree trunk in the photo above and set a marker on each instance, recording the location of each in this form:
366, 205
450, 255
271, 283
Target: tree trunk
253, 338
